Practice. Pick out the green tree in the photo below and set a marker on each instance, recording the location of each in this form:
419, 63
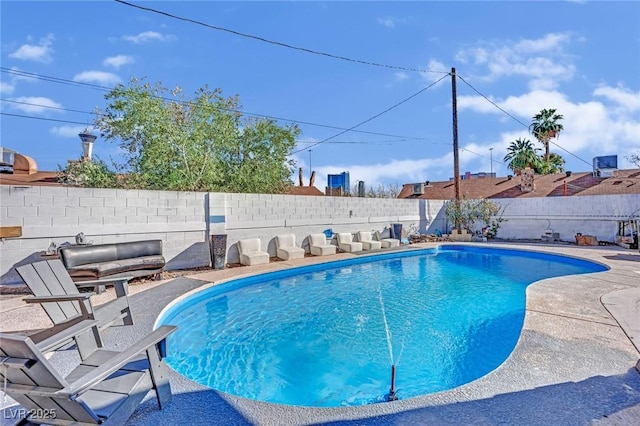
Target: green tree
92, 174
466, 212
521, 154
391, 190
546, 125
554, 165
202, 144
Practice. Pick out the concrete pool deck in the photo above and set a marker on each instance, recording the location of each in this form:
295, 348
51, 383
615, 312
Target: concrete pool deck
574, 364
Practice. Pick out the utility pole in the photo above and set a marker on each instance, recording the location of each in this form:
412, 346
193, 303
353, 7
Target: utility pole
491, 154
456, 162
310, 170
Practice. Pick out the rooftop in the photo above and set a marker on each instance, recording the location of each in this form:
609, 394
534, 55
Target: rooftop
553, 185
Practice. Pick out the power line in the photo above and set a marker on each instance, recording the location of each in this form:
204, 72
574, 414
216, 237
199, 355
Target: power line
42, 118
375, 116
483, 156
45, 106
387, 142
278, 43
514, 118
251, 114
52, 79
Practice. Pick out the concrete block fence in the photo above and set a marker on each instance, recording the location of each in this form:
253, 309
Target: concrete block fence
185, 221
597, 215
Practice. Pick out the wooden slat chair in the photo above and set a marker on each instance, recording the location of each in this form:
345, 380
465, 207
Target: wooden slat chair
60, 297
105, 388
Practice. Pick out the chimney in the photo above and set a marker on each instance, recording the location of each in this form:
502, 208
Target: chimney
312, 179
300, 176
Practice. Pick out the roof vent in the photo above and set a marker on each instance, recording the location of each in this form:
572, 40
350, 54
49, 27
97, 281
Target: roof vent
418, 188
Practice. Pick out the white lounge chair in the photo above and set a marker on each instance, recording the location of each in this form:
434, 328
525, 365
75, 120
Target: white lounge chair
251, 252
367, 241
318, 245
386, 242
346, 243
286, 248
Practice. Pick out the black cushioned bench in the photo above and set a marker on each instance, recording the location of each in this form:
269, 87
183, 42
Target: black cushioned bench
132, 259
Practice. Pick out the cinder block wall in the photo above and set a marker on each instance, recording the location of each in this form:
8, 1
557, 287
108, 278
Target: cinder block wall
265, 215
57, 214
184, 221
598, 215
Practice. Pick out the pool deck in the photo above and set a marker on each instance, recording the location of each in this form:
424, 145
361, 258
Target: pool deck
576, 362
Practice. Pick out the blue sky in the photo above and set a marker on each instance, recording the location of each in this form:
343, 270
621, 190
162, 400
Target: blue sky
581, 58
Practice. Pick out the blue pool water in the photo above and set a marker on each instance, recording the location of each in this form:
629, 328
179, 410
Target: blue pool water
326, 335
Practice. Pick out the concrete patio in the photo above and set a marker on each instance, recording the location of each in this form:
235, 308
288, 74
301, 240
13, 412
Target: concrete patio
575, 362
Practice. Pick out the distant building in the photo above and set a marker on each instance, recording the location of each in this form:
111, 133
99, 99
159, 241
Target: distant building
338, 184
479, 175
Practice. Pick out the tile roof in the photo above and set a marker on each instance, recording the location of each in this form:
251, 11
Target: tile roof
553, 185
35, 179
49, 179
304, 190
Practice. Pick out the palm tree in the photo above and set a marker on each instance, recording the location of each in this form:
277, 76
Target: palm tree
554, 165
521, 154
545, 125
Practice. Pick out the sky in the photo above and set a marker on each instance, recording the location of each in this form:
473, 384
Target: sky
368, 83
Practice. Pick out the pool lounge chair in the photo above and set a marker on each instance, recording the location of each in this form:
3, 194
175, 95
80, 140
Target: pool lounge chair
367, 242
106, 388
59, 295
318, 245
286, 248
346, 243
386, 242
251, 252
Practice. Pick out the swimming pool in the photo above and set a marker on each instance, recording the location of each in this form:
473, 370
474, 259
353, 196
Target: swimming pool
327, 335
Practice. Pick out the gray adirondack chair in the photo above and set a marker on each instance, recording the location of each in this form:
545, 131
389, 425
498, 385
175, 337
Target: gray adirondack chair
105, 388
60, 297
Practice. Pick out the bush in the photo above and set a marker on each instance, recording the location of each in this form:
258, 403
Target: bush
467, 212
88, 174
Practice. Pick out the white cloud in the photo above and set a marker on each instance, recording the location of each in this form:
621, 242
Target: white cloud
548, 43
439, 68
392, 22
398, 171
596, 127
147, 37
97, 77
401, 75
40, 52
6, 88
623, 97
118, 61
35, 104
69, 131
542, 61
